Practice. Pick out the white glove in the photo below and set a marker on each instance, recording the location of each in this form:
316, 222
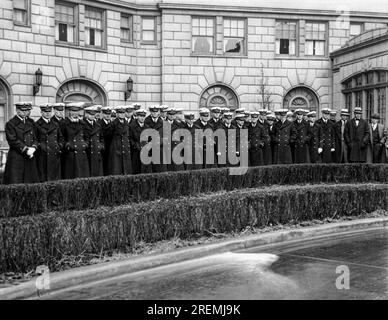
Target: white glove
218, 153
30, 152
320, 150
332, 149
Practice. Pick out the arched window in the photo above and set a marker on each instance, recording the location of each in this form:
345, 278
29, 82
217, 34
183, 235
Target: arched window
4, 107
367, 90
220, 96
301, 98
81, 90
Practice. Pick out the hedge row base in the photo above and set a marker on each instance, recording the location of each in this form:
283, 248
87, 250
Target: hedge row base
28, 241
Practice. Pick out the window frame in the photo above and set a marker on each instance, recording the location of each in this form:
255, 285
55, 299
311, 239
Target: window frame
214, 36
297, 36
130, 16
28, 15
325, 51
245, 41
76, 23
103, 28
362, 24
155, 41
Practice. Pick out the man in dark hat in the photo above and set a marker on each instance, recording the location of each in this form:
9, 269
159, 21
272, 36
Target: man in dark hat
357, 137
222, 148
203, 123
129, 112
76, 164
174, 126
271, 120
303, 137
21, 135
95, 136
262, 121
284, 136
215, 121
51, 142
341, 149
136, 127
376, 148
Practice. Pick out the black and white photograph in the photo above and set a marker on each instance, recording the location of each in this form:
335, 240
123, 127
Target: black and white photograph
193, 155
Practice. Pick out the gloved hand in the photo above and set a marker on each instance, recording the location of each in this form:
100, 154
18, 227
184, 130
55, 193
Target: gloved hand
332, 149
320, 150
218, 153
30, 152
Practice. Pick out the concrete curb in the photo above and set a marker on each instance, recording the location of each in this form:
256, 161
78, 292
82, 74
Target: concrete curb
77, 276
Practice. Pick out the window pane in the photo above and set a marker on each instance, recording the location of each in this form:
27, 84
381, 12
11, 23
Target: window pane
62, 32
98, 38
20, 4
148, 24
309, 47
20, 16
195, 22
320, 48
203, 44
70, 33
233, 45
284, 46
91, 37
148, 36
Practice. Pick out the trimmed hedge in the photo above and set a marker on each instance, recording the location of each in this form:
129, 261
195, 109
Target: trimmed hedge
30, 199
43, 239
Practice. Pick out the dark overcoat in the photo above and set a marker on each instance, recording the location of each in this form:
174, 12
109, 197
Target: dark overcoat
192, 165
158, 126
19, 168
313, 143
301, 145
75, 158
326, 140
357, 140
135, 131
50, 148
95, 136
199, 125
258, 139
284, 135
120, 160
107, 137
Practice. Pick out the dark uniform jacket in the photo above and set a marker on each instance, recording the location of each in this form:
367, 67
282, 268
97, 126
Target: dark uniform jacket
120, 160
313, 143
326, 140
357, 139
107, 137
198, 123
191, 165
135, 131
75, 158
19, 168
340, 146
223, 147
215, 125
258, 140
158, 126
95, 136
301, 145
284, 135
51, 144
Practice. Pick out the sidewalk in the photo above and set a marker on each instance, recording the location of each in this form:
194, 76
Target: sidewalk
77, 276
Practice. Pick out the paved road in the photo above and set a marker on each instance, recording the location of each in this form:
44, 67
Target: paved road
296, 270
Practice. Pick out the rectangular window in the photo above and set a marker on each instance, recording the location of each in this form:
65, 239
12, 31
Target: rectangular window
359, 81
370, 78
348, 101
126, 28
382, 76
203, 35
358, 99
94, 27
369, 104
356, 29
234, 36
286, 33
315, 39
65, 22
382, 103
148, 29
21, 12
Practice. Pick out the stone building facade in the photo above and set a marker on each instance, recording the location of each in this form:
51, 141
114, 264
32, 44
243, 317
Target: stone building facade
186, 54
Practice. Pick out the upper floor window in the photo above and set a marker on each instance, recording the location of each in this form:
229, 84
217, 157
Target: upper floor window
21, 12
126, 28
65, 22
94, 27
203, 35
315, 39
356, 29
234, 36
286, 34
148, 27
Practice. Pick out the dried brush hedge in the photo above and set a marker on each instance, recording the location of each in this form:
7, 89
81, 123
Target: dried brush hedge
30, 199
28, 241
